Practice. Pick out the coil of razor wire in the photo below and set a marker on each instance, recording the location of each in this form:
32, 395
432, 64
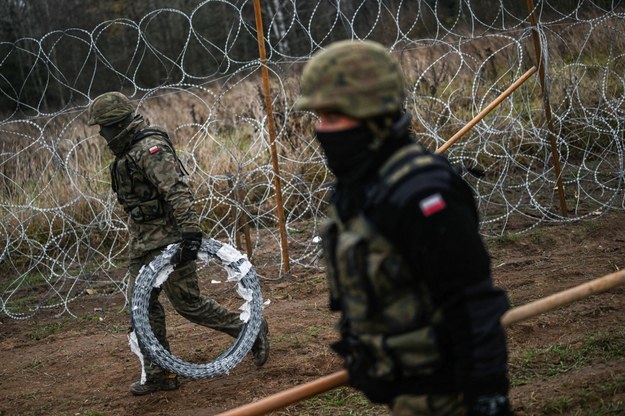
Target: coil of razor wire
155, 274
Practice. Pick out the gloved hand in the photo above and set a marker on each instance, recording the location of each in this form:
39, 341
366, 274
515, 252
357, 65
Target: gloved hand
188, 248
493, 405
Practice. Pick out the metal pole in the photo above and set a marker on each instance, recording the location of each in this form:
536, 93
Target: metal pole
339, 378
260, 35
547, 106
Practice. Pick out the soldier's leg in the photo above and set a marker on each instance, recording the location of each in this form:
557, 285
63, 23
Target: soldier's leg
156, 312
183, 291
447, 405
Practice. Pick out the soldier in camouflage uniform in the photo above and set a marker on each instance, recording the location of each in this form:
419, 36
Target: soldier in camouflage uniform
151, 185
407, 269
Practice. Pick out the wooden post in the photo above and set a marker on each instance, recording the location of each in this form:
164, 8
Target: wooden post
244, 222
286, 397
260, 35
487, 110
565, 297
240, 218
547, 106
235, 214
339, 378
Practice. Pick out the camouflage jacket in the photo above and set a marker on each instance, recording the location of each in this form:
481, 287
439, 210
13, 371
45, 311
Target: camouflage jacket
151, 185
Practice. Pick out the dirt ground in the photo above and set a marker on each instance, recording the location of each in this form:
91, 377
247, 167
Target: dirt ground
567, 361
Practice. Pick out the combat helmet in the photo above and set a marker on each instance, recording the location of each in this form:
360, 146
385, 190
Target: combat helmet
359, 79
109, 108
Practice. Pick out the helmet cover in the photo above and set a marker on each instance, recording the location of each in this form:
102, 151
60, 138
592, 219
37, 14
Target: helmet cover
360, 79
109, 108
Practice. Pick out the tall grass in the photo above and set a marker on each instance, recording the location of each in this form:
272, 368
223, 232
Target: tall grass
56, 168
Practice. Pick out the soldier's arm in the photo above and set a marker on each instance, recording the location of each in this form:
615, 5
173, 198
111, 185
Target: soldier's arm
447, 252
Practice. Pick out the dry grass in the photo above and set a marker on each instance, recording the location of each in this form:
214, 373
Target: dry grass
221, 129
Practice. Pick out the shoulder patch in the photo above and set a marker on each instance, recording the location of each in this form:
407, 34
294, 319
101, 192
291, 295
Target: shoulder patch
432, 204
153, 149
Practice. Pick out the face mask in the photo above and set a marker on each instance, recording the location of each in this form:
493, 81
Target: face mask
118, 144
116, 135
348, 152
110, 132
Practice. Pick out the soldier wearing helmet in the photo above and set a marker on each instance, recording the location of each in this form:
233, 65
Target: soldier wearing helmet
406, 267
151, 185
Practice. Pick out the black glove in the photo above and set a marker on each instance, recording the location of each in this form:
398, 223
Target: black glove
493, 405
188, 248
358, 361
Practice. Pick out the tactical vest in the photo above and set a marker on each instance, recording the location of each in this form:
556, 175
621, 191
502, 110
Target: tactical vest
388, 316
139, 198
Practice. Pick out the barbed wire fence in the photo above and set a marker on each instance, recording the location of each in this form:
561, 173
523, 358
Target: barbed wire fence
63, 234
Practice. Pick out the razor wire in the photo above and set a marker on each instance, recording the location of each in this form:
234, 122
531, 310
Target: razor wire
240, 270
64, 236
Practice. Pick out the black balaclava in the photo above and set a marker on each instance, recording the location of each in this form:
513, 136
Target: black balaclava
354, 153
115, 135
347, 151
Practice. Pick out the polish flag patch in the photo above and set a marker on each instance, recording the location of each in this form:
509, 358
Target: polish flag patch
432, 204
153, 149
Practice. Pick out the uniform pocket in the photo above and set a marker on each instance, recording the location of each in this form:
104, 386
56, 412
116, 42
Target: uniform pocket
416, 351
356, 289
147, 211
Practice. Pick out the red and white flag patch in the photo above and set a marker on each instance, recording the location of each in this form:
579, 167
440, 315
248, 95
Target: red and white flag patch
153, 149
432, 204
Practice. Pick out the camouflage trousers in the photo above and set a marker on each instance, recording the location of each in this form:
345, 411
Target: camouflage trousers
428, 406
183, 292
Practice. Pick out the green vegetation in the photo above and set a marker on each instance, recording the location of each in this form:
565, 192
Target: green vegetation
118, 329
36, 364
589, 400
343, 401
46, 330
506, 239
31, 280
592, 227
560, 359
298, 339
